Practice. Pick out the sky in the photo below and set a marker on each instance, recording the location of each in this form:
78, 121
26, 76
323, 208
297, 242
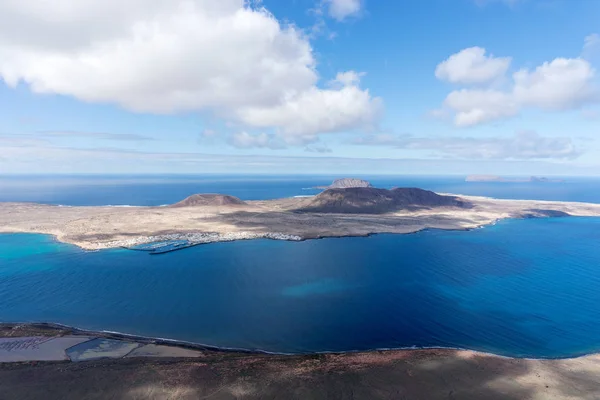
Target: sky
506, 87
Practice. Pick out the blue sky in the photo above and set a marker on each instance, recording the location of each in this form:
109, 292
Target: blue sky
304, 86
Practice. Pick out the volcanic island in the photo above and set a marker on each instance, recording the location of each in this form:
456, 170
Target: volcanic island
349, 207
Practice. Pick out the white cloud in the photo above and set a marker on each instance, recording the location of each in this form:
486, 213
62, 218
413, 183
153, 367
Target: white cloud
317, 111
347, 78
168, 56
342, 9
474, 107
187, 56
49, 159
245, 140
523, 145
558, 85
472, 66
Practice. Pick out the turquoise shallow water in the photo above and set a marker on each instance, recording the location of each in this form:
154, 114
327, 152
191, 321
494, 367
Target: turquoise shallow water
519, 288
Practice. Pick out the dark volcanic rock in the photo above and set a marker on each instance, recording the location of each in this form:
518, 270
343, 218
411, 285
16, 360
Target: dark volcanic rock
209, 200
369, 200
349, 183
346, 183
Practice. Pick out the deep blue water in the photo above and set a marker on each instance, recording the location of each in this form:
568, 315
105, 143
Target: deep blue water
517, 288
159, 190
520, 288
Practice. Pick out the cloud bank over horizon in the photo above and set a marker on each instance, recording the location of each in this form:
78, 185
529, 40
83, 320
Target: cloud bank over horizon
524, 145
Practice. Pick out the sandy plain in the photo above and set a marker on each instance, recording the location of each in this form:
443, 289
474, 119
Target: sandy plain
103, 227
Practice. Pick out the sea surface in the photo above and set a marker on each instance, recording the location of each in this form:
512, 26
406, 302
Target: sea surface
525, 288
149, 190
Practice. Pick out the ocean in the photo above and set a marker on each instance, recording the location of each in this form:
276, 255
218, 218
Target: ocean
148, 190
526, 288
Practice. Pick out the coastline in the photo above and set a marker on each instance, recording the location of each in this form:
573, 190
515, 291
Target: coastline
268, 236
153, 240
54, 327
122, 369
95, 228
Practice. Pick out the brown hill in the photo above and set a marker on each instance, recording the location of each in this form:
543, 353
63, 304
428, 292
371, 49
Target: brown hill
369, 200
197, 200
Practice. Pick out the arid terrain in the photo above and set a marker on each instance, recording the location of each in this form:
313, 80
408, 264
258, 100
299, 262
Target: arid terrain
405, 374
333, 213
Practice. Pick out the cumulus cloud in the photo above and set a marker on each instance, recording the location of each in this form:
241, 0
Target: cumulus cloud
472, 66
561, 84
318, 111
169, 56
473, 107
523, 145
245, 140
343, 9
